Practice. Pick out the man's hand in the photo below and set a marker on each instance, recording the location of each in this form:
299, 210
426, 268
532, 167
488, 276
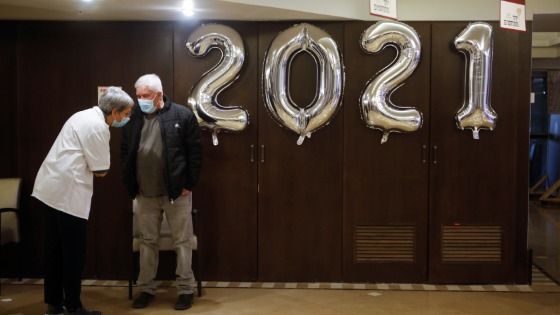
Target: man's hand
100, 173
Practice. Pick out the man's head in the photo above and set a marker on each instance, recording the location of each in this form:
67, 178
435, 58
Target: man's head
151, 81
116, 104
149, 93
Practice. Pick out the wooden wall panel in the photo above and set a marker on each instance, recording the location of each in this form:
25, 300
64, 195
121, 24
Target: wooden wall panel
300, 187
226, 195
385, 184
54, 81
293, 216
523, 42
475, 182
123, 52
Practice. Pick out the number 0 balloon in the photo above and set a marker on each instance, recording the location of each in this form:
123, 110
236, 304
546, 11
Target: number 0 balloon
324, 50
203, 96
476, 43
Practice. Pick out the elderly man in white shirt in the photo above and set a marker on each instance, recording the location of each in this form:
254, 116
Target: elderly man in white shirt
64, 185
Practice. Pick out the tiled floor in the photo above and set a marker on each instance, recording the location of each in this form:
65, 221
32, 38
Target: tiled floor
17, 299
540, 298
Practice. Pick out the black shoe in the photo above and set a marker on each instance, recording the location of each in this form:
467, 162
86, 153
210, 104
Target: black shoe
184, 302
82, 311
143, 300
55, 310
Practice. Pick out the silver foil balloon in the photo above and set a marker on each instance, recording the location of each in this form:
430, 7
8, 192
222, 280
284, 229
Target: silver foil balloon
476, 43
203, 96
328, 58
377, 110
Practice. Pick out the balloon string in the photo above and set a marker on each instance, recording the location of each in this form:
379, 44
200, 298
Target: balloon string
475, 133
385, 137
302, 120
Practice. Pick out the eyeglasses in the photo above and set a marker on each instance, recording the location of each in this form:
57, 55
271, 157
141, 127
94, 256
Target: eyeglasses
126, 114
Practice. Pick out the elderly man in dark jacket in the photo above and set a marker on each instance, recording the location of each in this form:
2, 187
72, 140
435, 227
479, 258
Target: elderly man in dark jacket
161, 155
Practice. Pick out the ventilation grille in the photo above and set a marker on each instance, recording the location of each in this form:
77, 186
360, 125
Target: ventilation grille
472, 244
384, 243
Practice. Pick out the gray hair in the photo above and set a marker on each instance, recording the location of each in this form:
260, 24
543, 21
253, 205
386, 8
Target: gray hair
114, 97
152, 81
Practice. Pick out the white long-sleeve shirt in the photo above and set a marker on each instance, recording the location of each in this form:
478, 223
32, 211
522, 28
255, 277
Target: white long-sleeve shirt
65, 179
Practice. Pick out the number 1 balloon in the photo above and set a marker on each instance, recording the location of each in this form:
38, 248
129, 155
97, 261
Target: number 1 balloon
203, 96
377, 111
324, 50
476, 43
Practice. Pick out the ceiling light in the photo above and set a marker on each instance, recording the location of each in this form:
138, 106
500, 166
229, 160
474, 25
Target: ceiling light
188, 8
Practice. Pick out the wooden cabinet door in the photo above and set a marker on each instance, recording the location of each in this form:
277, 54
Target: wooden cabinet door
475, 213
121, 56
227, 192
54, 66
385, 185
300, 186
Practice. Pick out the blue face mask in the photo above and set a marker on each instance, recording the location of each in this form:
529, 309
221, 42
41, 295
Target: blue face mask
147, 106
121, 123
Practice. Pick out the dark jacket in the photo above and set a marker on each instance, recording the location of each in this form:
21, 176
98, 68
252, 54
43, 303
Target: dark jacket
182, 149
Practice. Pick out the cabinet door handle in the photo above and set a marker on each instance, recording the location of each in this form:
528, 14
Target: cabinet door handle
424, 152
435, 154
262, 153
252, 153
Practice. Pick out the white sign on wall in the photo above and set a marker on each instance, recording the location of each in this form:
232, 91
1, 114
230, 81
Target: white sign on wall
102, 89
383, 8
512, 15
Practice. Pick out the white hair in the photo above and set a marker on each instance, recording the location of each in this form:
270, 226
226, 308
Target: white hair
152, 81
114, 97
